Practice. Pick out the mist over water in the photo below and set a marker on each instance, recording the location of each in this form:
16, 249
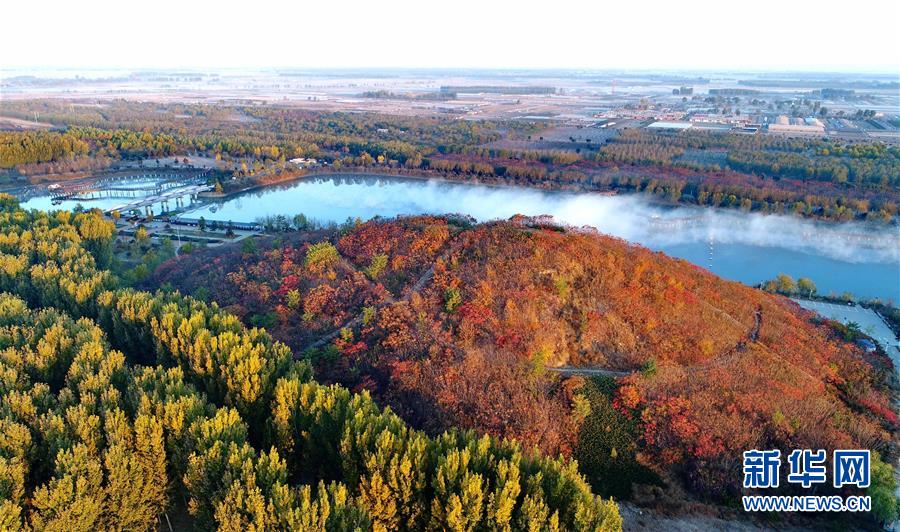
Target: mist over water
859, 258
750, 248
634, 218
631, 217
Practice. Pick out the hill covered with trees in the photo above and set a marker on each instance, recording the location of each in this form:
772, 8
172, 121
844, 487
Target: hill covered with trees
123, 409
453, 323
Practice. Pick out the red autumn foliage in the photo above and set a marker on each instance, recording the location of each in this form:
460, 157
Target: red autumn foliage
472, 315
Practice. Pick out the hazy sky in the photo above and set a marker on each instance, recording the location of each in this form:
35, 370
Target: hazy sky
689, 34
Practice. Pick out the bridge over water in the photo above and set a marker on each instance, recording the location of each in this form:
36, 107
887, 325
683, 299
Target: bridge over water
176, 194
105, 187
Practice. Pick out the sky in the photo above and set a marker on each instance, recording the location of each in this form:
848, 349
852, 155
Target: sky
827, 35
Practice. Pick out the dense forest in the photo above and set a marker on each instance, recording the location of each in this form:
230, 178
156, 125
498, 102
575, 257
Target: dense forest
874, 165
459, 324
266, 133
767, 173
124, 409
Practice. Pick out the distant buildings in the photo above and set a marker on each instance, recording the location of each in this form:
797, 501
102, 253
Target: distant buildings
784, 124
714, 118
732, 92
498, 89
670, 125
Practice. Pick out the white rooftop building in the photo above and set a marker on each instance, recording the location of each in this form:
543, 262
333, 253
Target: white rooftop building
304, 162
670, 125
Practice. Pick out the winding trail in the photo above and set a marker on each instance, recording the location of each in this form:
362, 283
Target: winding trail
589, 371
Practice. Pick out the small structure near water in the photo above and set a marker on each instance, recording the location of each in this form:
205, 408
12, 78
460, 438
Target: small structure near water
304, 162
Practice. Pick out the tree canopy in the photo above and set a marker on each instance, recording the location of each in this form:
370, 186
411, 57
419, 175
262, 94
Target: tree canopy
117, 403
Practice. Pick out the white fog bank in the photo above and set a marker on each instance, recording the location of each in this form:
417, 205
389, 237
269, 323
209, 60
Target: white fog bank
631, 217
636, 219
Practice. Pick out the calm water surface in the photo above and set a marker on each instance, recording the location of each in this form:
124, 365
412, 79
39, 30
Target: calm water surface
745, 247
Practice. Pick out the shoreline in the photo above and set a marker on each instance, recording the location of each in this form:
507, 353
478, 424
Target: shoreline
650, 198
401, 173
417, 177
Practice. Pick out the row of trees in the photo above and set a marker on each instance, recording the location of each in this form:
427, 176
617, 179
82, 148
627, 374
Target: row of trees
39, 147
204, 407
858, 171
271, 133
785, 284
652, 169
873, 165
19, 149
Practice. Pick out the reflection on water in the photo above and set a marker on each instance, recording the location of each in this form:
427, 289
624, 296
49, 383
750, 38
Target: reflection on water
45, 203
745, 247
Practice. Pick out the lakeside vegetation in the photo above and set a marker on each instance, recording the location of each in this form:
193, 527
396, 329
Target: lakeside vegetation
806, 288
764, 173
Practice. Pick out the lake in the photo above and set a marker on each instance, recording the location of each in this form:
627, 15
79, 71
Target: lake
744, 247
